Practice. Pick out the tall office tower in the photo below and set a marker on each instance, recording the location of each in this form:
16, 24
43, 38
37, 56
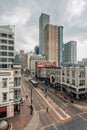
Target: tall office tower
70, 52
6, 46
50, 48
21, 52
43, 21
36, 49
60, 45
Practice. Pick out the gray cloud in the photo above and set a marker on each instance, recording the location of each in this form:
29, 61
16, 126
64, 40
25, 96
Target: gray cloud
25, 16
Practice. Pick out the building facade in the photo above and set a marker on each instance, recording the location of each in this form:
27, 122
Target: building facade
50, 48
28, 60
24, 60
84, 61
71, 80
60, 45
53, 43
36, 49
6, 46
70, 52
10, 91
33, 60
43, 21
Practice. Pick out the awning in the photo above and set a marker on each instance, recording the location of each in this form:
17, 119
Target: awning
3, 109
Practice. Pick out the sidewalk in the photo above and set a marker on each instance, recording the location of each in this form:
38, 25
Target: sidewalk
19, 121
32, 125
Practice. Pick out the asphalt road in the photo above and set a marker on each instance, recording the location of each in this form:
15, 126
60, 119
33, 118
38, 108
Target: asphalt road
77, 122
68, 107
27, 86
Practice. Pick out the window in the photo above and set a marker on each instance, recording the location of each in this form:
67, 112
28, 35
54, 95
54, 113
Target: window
4, 82
67, 72
10, 48
4, 35
4, 98
16, 72
67, 80
10, 59
82, 82
4, 65
16, 94
4, 53
17, 81
11, 42
82, 89
4, 59
4, 47
4, 41
73, 82
11, 54
63, 73
0, 59
82, 74
63, 79
10, 36
73, 74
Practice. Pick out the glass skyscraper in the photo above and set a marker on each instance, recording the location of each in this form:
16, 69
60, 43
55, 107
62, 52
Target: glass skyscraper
60, 45
43, 21
70, 52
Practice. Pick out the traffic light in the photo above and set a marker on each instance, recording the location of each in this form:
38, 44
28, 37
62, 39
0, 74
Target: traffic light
31, 109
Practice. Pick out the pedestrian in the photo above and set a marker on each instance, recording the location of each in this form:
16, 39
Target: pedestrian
47, 109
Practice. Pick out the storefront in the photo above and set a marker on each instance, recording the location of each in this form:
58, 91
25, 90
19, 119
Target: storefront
3, 112
65, 88
16, 108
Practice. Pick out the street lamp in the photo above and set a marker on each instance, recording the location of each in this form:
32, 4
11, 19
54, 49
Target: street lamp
31, 107
31, 96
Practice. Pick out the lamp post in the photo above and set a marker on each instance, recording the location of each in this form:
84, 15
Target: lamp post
31, 96
31, 107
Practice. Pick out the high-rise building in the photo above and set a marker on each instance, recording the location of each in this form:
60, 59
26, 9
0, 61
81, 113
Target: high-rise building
53, 43
43, 21
60, 45
21, 52
70, 52
50, 48
6, 46
36, 49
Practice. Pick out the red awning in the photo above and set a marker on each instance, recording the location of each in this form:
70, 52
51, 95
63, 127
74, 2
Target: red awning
3, 109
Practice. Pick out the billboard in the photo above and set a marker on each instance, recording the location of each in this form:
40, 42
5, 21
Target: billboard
45, 63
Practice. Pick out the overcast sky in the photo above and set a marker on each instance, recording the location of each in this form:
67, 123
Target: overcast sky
24, 14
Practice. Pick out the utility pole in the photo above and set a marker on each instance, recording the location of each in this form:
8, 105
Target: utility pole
31, 107
31, 96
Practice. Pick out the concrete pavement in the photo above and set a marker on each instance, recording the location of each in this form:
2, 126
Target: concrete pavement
32, 125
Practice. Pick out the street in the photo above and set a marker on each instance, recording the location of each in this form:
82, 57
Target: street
63, 111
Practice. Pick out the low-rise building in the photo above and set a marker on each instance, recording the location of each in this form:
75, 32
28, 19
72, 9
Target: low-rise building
72, 80
33, 60
10, 92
